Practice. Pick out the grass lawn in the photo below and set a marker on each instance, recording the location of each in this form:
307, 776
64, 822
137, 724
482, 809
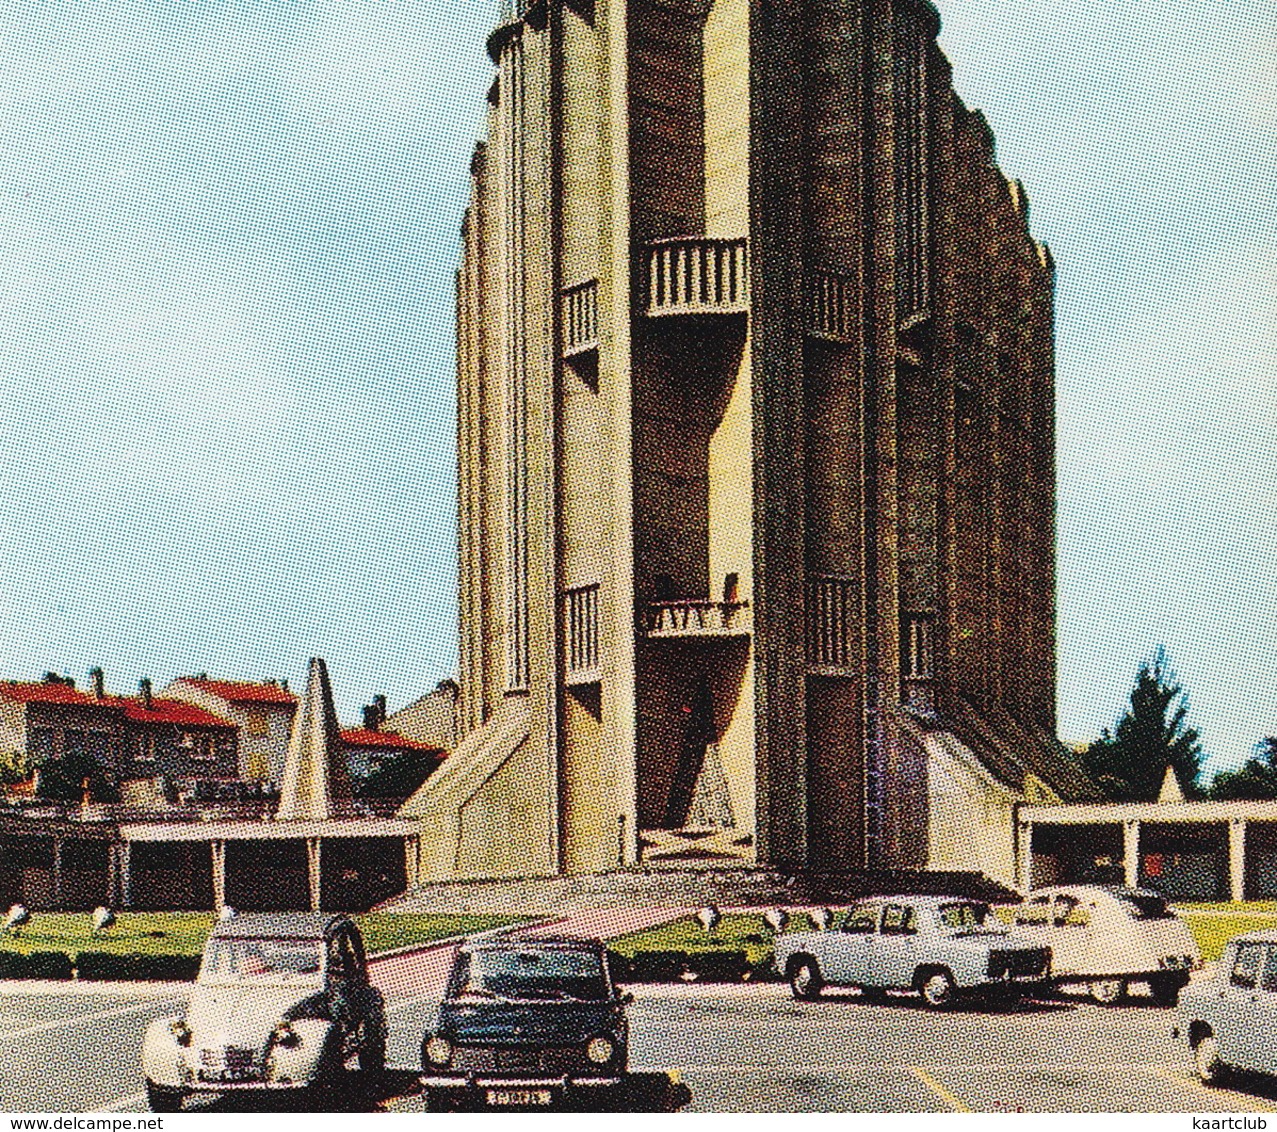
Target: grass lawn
184, 933
1213, 925
735, 932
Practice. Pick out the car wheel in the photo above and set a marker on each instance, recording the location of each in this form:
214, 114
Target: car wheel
805, 979
1165, 992
1107, 991
372, 1054
442, 1100
936, 987
1210, 1068
160, 1099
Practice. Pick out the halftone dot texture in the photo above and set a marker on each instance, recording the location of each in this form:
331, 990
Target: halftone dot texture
227, 318
230, 231
1147, 138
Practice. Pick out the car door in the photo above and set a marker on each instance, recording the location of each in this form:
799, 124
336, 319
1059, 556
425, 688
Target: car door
849, 953
894, 955
343, 978
1262, 1040
1237, 1018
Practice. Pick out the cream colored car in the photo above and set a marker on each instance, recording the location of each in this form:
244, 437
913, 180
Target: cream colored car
282, 1002
1107, 938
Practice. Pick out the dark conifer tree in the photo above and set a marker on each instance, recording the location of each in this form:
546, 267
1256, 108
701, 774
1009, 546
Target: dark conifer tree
1129, 763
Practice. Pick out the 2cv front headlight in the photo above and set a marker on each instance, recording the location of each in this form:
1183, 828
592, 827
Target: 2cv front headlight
181, 1031
284, 1035
438, 1050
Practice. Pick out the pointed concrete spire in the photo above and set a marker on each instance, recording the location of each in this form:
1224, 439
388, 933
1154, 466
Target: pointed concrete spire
315, 768
1170, 791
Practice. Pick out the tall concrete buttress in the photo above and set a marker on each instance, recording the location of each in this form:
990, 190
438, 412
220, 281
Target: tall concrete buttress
755, 453
315, 773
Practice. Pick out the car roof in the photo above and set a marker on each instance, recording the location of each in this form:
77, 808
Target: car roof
918, 901
1262, 935
1110, 891
563, 943
282, 925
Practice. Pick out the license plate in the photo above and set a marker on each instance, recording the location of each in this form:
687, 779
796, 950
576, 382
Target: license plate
502, 1098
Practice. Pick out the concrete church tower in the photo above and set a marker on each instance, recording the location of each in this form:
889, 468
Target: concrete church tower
756, 453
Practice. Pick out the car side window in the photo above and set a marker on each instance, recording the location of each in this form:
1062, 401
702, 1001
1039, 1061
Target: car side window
1246, 965
341, 955
898, 919
1072, 913
1269, 979
1036, 913
862, 920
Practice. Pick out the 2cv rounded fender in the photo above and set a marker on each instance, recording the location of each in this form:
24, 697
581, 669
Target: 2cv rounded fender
304, 1049
163, 1052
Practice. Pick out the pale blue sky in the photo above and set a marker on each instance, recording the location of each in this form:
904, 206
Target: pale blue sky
226, 334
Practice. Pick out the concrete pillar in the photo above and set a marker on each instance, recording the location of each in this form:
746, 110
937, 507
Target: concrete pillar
219, 874
125, 854
1024, 866
57, 873
1237, 859
1131, 852
411, 861
313, 865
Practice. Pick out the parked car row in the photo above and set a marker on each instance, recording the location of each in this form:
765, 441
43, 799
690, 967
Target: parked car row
941, 947
284, 1001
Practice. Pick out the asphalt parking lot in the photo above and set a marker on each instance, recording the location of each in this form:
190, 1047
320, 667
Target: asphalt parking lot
702, 1048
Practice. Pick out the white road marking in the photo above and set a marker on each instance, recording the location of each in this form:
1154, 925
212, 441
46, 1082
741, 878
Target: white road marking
77, 1019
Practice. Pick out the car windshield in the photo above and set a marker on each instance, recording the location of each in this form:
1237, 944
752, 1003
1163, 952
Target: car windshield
534, 973
262, 960
967, 916
1144, 905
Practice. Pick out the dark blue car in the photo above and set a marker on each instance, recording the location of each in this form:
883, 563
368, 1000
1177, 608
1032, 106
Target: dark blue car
526, 1024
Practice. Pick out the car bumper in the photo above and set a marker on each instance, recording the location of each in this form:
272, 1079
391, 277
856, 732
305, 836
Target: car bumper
498, 1081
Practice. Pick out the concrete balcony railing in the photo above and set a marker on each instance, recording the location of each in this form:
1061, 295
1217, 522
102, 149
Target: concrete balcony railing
696, 275
697, 618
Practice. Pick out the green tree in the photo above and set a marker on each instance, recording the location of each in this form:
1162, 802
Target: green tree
14, 767
1255, 780
399, 776
1129, 762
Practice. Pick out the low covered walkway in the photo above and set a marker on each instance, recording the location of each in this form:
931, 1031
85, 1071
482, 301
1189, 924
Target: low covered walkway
1205, 851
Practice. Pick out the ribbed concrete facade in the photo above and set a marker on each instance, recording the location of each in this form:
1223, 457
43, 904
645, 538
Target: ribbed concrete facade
756, 453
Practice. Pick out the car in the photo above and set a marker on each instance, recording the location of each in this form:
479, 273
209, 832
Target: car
1106, 937
1230, 1018
940, 947
526, 1023
282, 1001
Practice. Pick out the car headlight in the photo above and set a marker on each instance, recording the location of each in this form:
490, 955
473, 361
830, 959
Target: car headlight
181, 1032
438, 1050
284, 1035
599, 1050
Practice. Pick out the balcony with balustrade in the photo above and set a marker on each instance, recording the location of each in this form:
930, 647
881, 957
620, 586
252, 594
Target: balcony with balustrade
695, 617
695, 275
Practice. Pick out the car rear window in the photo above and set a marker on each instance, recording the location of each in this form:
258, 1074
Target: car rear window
966, 916
261, 960
1144, 906
530, 973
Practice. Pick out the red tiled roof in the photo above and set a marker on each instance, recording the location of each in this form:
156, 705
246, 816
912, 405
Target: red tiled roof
242, 691
362, 737
38, 692
170, 712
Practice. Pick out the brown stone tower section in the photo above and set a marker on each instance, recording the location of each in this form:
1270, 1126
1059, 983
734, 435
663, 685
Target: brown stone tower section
755, 444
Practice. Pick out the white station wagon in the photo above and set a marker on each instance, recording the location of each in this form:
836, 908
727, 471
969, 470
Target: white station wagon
1230, 1020
1109, 937
938, 946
